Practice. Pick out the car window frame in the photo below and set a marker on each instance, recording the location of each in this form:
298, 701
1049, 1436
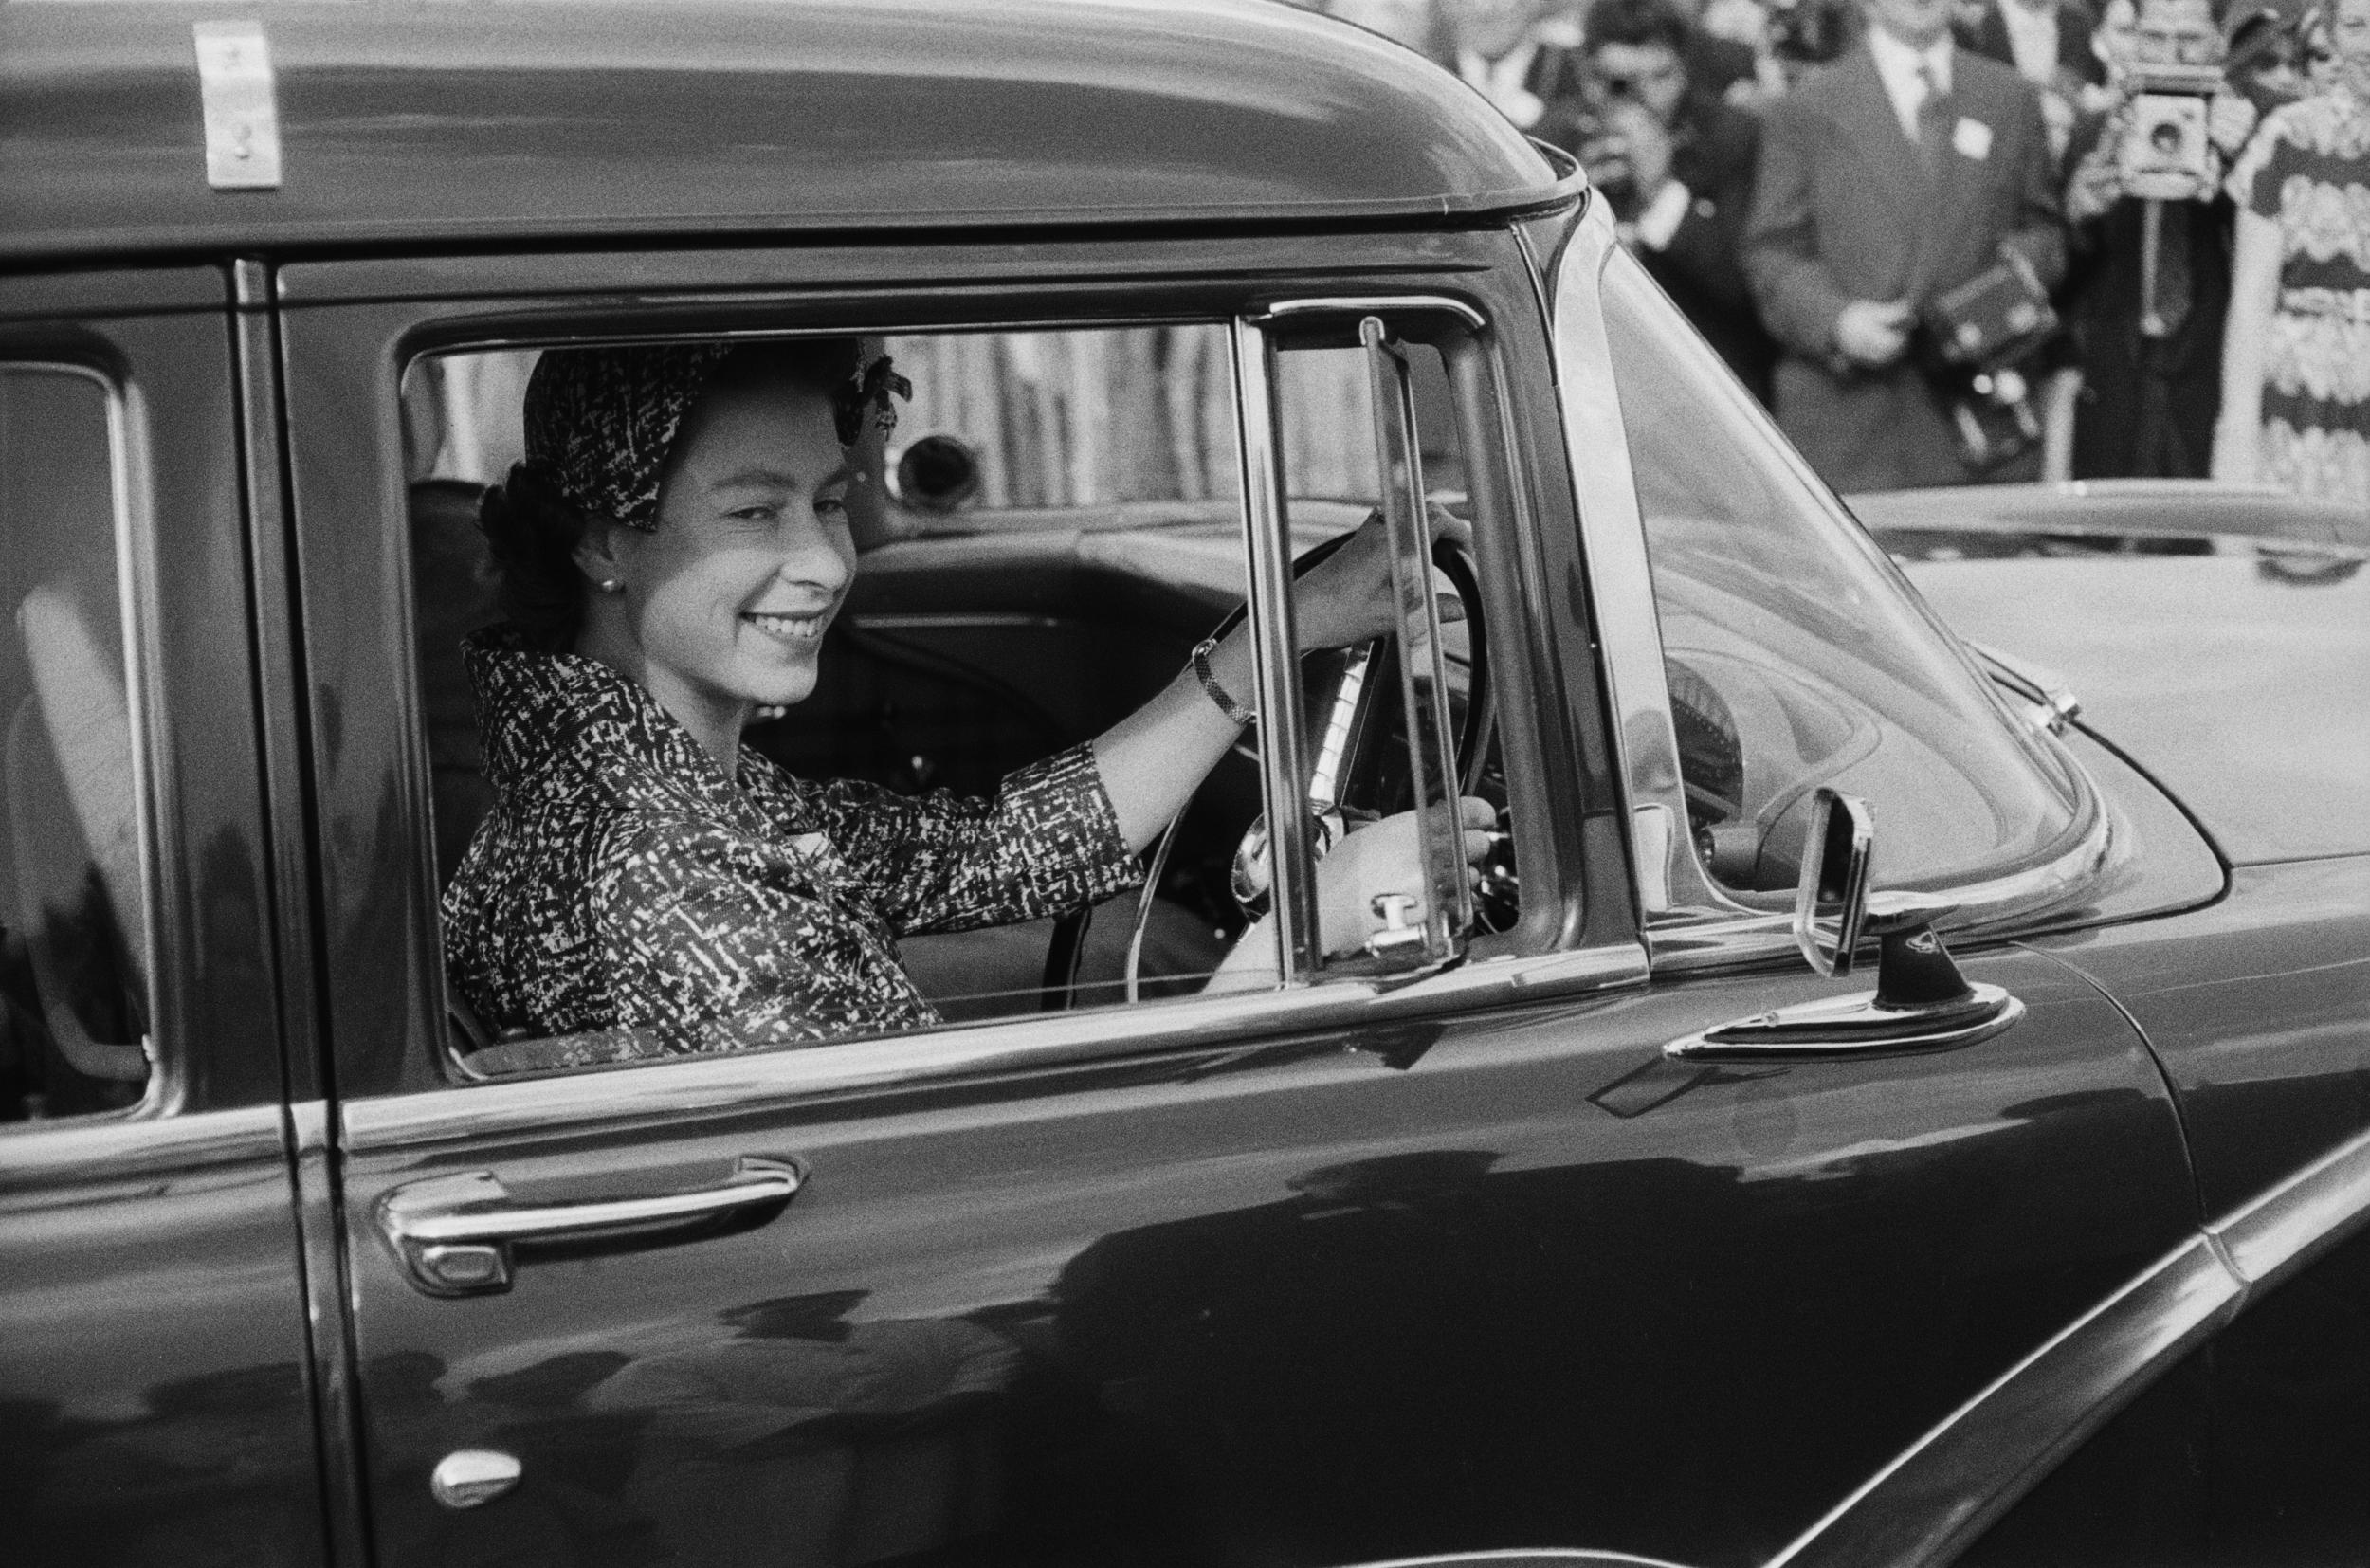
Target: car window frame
1576, 957
131, 524
1689, 919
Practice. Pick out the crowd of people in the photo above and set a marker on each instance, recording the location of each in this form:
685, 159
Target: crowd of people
1970, 240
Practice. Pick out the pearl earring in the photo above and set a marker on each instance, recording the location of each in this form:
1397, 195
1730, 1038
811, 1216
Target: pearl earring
610, 585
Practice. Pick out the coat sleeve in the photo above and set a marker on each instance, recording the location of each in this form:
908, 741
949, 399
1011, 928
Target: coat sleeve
1798, 296
2037, 228
1049, 842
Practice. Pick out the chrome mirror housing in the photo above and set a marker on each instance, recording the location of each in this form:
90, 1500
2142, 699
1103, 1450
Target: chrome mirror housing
1921, 1002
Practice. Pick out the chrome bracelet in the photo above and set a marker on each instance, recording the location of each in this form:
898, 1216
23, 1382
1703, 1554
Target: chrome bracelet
1227, 705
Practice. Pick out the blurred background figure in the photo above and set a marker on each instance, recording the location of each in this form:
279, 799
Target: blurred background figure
1886, 180
2296, 353
1496, 46
1407, 22
2267, 51
2152, 264
2048, 43
1676, 166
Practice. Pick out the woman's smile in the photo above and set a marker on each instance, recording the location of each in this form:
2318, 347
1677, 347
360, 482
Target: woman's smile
799, 631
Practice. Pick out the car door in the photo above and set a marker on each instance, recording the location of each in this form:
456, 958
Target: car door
157, 1365
1348, 1270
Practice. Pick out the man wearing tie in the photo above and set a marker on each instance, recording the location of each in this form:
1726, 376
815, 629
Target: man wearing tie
1893, 175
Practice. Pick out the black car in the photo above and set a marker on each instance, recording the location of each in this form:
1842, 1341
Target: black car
1627, 1214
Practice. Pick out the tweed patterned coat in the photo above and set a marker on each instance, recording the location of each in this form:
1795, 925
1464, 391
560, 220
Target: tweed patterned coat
622, 885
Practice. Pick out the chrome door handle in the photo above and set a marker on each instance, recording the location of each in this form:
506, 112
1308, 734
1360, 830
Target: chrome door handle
454, 1234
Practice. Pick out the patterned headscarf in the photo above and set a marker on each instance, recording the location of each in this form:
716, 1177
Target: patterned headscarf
601, 422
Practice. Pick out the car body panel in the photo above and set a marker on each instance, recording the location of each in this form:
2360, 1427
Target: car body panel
156, 1353
402, 127
1355, 1272
1491, 1280
2259, 1008
2238, 674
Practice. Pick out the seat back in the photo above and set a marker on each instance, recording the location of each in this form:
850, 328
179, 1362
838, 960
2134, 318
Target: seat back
453, 589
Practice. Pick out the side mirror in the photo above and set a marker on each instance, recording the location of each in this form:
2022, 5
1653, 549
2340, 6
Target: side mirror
1920, 1001
1830, 897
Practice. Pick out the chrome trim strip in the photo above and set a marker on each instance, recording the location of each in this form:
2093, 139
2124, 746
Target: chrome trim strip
87, 1150
1620, 580
1934, 1499
2286, 1226
720, 1085
1928, 1504
1367, 305
723, 1085
1276, 665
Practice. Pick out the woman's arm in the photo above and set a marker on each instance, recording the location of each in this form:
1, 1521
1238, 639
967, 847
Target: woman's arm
1154, 759
2253, 295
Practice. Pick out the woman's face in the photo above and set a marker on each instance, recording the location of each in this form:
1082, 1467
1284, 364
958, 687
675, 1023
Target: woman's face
729, 595
2349, 33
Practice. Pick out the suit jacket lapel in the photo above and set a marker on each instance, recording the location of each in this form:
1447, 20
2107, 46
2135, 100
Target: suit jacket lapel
1962, 183
1868, 122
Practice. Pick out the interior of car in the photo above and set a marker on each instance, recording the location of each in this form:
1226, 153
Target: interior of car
1064, 527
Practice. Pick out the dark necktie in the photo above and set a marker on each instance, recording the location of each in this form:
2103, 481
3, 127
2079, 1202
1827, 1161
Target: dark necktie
1933, 118
2164, 291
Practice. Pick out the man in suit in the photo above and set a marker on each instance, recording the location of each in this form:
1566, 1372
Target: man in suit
1890, 177
1676, 164
2147, 329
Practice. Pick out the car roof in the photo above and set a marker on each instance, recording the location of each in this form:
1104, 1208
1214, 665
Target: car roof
418, 127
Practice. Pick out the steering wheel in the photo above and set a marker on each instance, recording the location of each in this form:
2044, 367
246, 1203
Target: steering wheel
1357, 725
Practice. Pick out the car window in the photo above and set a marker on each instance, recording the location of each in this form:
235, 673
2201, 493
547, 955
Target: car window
1058, 524
1795, 654
74, 937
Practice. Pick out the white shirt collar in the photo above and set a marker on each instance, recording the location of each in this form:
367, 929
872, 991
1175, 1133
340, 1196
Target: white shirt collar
1897, 63
2032, 39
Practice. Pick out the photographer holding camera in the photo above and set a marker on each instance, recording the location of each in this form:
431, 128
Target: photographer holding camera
2152, 246
1892, 182
1676, 166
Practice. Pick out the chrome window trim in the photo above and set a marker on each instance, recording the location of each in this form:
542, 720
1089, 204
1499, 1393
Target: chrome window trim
1361, 304
1275, 668
134, 523
731, 1083
1937, 1498
472, 1106
1689, 920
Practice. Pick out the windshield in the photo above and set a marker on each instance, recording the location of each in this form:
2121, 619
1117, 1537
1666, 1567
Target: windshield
1796, 654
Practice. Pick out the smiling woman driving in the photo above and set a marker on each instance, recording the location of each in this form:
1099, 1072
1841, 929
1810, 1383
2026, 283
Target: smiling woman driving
669, 556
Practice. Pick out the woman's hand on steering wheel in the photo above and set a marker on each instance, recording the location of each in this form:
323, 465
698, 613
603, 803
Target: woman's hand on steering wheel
1347, 598
1382, 858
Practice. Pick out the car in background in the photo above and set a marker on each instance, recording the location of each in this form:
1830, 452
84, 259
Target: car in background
1624, 1218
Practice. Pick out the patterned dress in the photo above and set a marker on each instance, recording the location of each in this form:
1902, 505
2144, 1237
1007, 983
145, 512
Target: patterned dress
2308, 170
623, 894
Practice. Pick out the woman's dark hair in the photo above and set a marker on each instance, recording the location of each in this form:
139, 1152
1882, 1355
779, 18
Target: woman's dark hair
533, 533
1636, 23
613, 415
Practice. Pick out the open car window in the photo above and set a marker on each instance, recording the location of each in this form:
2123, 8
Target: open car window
1059, 522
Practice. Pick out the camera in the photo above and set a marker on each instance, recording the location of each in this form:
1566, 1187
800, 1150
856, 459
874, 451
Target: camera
2166, 155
